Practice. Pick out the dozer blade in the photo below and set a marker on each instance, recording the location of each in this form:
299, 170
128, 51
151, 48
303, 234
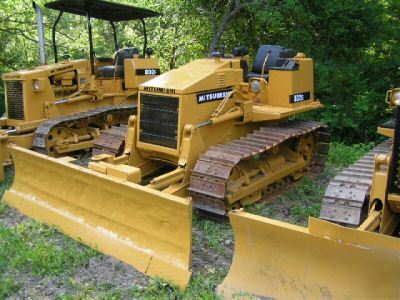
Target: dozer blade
278, 260
145, 228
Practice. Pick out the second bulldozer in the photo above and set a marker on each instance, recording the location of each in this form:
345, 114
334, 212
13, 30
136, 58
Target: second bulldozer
61, 107
210, 131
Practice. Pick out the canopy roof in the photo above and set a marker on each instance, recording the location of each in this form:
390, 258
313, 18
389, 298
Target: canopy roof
104, 10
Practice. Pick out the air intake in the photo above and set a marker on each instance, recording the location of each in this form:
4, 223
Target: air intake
15, 100
159, 120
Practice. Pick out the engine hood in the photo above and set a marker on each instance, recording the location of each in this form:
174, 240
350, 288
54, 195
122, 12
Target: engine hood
198, 75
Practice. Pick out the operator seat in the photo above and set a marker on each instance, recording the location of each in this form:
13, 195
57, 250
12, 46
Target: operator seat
117, 70
277, 57
388, 124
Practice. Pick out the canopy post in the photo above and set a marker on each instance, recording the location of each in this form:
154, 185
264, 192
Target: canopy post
42, 52
53, 33
90, 42
115, 35
145, 36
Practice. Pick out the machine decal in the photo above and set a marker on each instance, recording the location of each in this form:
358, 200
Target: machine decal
142, 72
158, 90
212, 96
69, 67
300, 97
12, 76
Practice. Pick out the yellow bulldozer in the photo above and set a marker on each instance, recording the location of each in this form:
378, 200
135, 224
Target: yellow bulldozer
61, 107
210, 131
351, 252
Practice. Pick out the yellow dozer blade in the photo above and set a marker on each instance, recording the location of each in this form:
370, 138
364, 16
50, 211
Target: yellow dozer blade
324, 261
142, 227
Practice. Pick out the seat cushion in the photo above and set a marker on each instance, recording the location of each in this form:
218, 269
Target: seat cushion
125, 53
110, 72
274, 52
389, 124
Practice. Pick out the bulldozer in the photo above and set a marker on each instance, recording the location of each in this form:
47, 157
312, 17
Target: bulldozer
210, 132
350, 252
62, 107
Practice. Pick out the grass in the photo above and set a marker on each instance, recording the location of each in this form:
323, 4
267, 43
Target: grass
8, 286
201, 287
6, 184
3, 207
30, 247
341, 155
296, 205
41, 250
35, 250
217, 235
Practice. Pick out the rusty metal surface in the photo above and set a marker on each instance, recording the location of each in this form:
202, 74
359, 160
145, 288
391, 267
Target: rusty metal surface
111, 141
93, 116
210, 175
345, 195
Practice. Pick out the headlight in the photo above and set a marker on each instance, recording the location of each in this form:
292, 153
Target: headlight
36, 85
255, 86
396, 98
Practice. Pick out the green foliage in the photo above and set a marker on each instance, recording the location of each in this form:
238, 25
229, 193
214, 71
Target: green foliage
341, 155
355, 62
354, 45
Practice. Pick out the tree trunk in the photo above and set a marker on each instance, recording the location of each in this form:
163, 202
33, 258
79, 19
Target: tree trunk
233, 7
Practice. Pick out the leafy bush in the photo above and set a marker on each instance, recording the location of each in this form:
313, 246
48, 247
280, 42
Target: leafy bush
341, 155
354, 45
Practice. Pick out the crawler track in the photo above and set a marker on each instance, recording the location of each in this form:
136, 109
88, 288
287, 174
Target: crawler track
111, 141
346, 193
209, 183
96, 117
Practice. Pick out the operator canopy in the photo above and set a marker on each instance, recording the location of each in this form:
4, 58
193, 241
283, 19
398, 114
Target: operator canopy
103, 10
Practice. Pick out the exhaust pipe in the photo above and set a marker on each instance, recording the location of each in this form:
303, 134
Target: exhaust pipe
40, 33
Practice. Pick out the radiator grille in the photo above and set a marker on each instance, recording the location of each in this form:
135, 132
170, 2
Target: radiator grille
159, 120
15, 100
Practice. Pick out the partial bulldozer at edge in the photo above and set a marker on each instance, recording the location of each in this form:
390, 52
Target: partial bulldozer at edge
278, 260
328, 260
344, 199
139, 204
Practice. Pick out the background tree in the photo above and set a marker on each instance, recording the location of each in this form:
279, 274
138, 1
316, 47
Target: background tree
354, 44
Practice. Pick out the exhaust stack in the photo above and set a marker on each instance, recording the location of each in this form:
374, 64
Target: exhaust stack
40, 33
